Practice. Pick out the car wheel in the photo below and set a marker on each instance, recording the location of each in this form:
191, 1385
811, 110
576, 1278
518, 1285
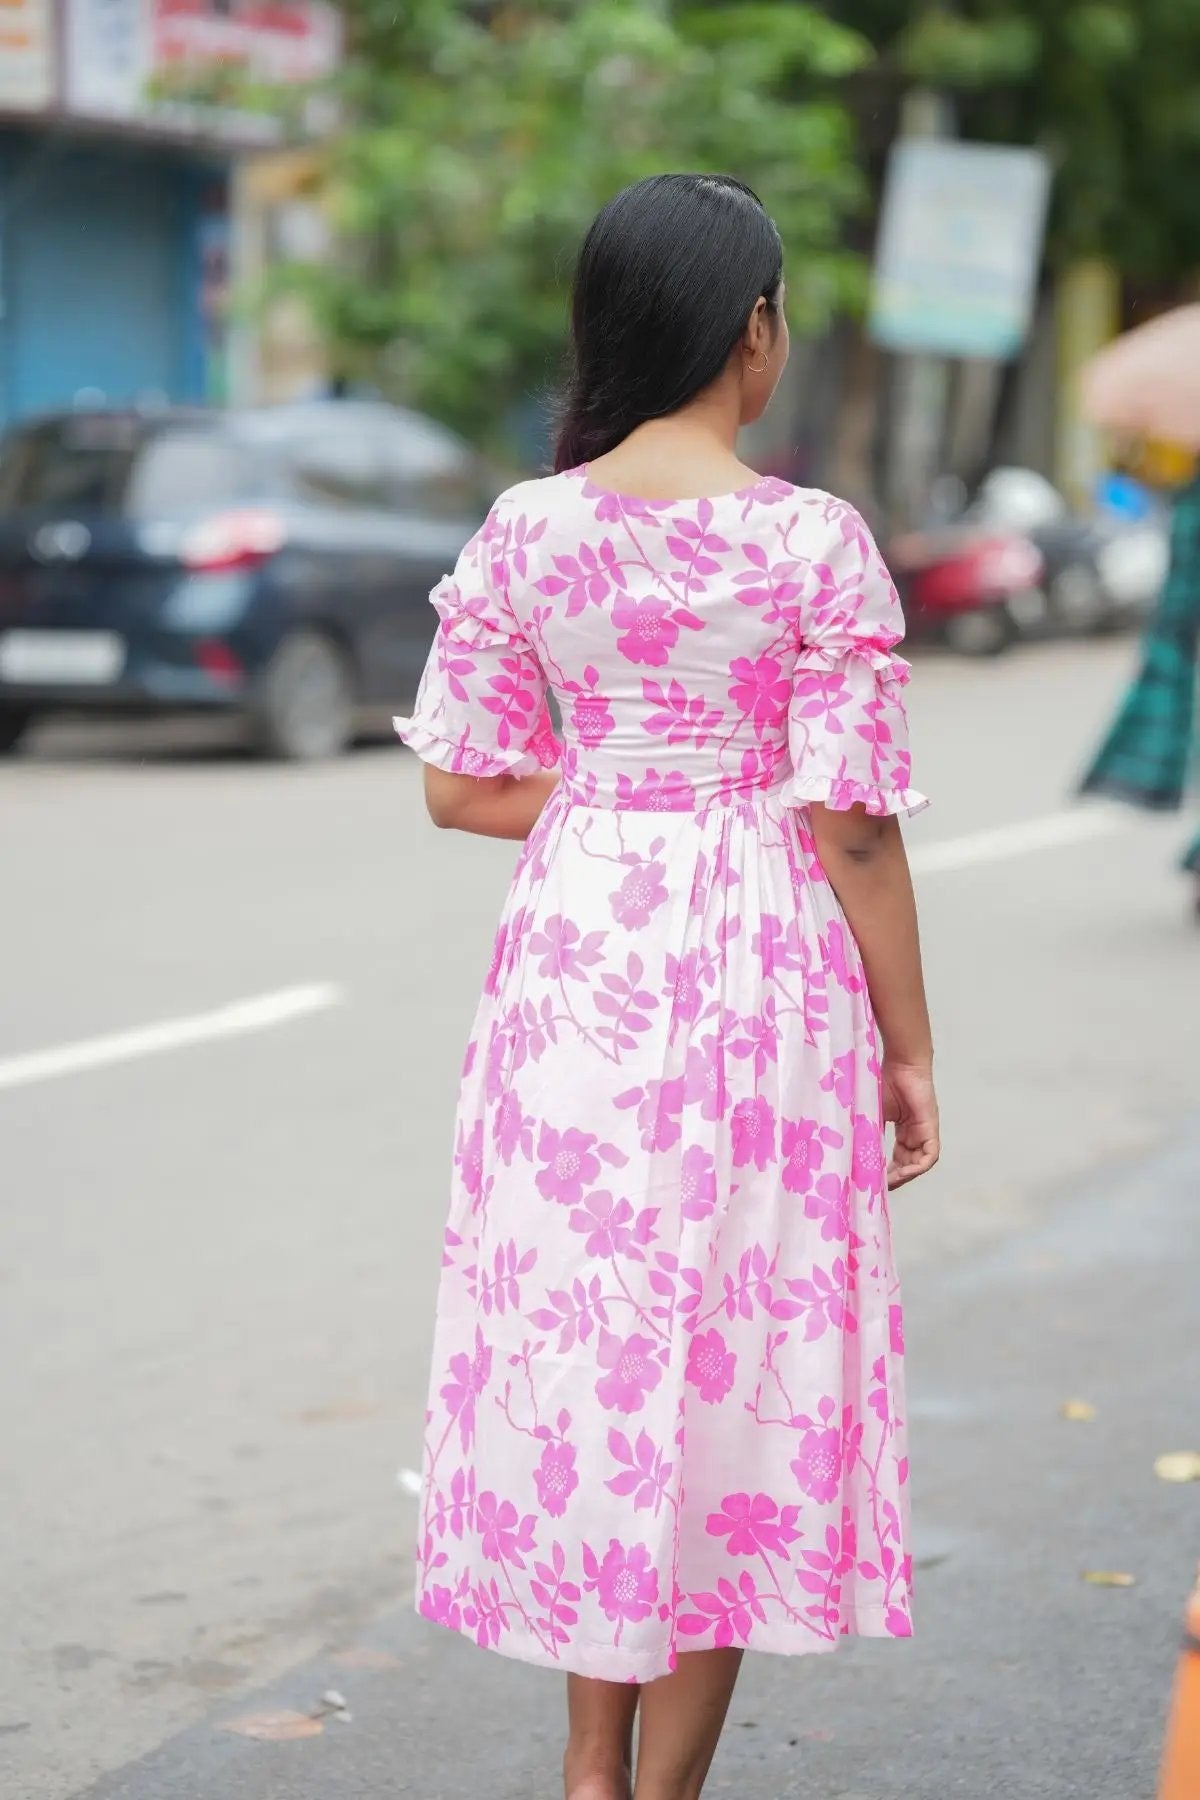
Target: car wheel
14, 723
307, 702
1079, 606
986, 631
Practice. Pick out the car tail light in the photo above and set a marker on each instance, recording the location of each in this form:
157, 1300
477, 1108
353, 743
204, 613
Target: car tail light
218, 660
233, 540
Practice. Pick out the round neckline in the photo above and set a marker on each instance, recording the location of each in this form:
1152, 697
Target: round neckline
583, 471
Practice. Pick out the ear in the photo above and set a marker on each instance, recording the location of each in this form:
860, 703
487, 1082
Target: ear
757, 336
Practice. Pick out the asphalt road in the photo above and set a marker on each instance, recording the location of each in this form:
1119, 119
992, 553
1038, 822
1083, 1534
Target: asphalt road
218, 1248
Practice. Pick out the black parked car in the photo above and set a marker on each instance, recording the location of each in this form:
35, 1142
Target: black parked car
273, 563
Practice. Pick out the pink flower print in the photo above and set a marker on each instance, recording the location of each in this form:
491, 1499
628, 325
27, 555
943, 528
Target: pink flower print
641, 893
555, 1478
438, 1605
710, 1366
753, 1133
752, 1524
564, 950
503, 1534
611, 1225
591, 719
704, 1078
648, 633
468, 1377
817, 1464
569, 1164
469, 1158
672, 792
896, 1330
590, 712
659, 1105
803, 1153
633, 1371
897, 1623
683, 988
829, 1201
625, 1583
697, 1183
761, 689
868, 1165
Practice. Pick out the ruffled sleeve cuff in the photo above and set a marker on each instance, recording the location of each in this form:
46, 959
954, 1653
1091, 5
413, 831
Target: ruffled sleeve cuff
839, 795
461, 757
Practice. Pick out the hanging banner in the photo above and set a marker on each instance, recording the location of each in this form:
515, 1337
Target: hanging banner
175, 65
960, 244
26, 55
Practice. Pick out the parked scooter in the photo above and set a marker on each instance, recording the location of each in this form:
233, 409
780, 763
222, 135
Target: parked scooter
968, 587
1102, 569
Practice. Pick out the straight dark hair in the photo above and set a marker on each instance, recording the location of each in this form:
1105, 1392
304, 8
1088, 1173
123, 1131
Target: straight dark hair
666, 281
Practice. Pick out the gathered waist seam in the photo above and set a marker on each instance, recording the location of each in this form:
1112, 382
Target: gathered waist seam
719, 802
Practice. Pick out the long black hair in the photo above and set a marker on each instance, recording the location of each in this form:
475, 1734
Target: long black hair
666, 281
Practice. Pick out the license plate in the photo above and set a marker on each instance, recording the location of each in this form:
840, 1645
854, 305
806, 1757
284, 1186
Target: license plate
83, 658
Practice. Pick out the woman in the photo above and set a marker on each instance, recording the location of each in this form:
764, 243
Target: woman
1147, 754
666, 1419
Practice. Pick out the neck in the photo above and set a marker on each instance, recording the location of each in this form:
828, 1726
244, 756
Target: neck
711, 421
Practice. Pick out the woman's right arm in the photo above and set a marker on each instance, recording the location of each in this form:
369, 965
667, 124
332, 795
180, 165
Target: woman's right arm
867, 866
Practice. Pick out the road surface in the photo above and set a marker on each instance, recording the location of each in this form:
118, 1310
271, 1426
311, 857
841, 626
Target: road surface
235, 999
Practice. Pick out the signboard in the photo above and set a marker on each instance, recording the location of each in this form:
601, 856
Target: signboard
160, 62
960, 243
26, 55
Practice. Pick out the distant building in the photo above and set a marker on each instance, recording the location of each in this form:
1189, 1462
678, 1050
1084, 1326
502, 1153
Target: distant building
123, 124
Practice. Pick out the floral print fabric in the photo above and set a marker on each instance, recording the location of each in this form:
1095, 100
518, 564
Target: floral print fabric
666, 1408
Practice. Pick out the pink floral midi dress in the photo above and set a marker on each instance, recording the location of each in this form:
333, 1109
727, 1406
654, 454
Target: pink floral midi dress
666, 1408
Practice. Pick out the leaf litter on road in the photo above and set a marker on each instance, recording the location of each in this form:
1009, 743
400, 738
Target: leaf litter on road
1114, 1578
1178, 1465
1081, 1412
281, 1726
275, 1727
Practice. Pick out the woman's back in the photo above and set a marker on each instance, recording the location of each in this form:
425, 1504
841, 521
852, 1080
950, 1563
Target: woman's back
699, 649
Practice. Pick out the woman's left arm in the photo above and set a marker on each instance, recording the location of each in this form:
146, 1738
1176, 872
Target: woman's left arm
496, 806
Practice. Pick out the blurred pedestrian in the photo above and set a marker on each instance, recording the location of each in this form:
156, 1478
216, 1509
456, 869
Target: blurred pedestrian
1148, 753
667, 1420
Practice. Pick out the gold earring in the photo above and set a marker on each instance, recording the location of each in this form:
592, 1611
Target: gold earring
751, 370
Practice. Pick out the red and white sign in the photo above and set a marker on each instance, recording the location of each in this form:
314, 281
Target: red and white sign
26, 55
118, 52
274, 40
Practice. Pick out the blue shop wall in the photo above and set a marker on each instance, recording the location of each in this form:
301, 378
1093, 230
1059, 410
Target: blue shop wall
101, 280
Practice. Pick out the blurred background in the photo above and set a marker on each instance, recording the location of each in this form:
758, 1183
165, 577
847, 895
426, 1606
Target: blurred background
282, 307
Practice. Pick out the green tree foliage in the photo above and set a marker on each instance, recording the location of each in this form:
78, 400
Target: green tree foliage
1110, 88
480, 140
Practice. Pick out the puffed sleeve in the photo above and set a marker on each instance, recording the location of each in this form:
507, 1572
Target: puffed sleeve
481, 706
847, 727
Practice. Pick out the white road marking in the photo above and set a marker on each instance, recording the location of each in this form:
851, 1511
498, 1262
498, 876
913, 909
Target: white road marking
1020, 839
237, 1020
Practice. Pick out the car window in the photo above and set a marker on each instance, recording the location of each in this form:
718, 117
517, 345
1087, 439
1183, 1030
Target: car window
181, 471
99, 464
340, 466
429, 470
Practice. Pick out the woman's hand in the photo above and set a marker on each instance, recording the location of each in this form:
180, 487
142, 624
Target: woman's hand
910, 1104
